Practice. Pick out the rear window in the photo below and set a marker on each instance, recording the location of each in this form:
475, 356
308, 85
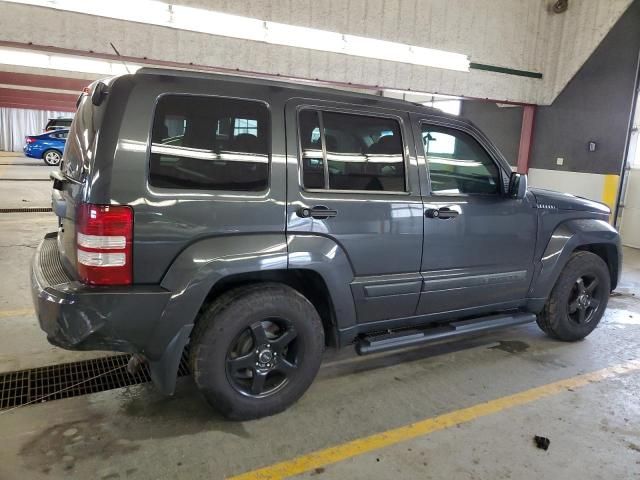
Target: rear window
58, 123
209, 143
81, 139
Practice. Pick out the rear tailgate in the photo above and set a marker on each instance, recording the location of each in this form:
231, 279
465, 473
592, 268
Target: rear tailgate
71, 181
65, 196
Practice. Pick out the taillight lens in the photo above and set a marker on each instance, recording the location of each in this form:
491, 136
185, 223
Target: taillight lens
104, 239
30, 139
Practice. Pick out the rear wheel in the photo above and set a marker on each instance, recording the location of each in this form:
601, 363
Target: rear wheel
256, 350
52, 157
578, 299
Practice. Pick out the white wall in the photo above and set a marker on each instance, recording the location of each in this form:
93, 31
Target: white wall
17, 123
520, 34
630, 222
600, 188
586, 185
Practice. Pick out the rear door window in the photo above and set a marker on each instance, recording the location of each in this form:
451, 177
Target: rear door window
351, 152
313, 174
210, 143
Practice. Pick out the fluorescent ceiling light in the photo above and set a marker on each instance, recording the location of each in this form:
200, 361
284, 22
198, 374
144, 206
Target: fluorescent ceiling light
448, 106
180, 17
70, 63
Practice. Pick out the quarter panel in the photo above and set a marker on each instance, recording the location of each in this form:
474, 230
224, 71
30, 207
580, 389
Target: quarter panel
197, 269
168, 220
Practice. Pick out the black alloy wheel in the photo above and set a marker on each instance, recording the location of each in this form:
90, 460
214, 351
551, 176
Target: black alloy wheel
262, 358
584, 299
256, 349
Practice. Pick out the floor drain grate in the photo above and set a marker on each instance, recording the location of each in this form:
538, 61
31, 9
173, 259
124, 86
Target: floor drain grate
67, 380
22, 164
25, 180
26, 210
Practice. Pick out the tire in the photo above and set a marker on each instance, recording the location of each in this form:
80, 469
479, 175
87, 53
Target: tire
578, 299
52, 157
256, 350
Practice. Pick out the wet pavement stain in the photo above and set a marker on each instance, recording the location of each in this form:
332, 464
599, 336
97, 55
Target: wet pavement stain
634, 447
144, 415
184, 413
511, 346
61, 445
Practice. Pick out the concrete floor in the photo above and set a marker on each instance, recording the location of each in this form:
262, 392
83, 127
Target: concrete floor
136, 433
30, 190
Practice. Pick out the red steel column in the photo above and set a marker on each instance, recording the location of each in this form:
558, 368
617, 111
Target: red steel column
526, 137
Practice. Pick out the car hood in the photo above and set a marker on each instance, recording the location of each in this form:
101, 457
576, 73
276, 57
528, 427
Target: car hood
552, 200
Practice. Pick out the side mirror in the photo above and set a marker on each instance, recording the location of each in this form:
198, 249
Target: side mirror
517, 185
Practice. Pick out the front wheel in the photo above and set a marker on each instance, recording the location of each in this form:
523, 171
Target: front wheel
578, 299
256, 350
52, 157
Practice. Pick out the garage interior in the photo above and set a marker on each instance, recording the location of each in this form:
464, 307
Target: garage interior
554, 84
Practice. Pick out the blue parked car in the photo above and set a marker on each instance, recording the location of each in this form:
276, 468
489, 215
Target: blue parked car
47, 146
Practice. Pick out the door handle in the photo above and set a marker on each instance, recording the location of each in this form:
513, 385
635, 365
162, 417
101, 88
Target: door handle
319, 212
443, 213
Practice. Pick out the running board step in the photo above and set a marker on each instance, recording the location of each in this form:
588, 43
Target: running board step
409, 338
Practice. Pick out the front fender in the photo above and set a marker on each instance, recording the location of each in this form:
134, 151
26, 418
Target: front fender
566, 238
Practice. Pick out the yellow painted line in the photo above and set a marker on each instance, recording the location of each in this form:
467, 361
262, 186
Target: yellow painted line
610, 191
338, 453
18, 312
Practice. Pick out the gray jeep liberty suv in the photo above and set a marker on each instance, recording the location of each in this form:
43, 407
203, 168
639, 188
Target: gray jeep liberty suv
258, 221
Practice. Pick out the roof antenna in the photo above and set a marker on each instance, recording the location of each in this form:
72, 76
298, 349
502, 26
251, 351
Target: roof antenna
120, 57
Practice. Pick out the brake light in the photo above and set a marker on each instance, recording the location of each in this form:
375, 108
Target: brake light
104, 244
30, 139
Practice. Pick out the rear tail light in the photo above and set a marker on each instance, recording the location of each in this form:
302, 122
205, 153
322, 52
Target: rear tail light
30, 139
104, 240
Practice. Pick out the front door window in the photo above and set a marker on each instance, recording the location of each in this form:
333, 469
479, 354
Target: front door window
457, 163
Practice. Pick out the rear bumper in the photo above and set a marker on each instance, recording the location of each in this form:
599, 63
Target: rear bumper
30, 151
79, 317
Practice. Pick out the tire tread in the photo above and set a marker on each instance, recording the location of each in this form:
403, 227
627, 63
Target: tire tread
214, 318
552, 320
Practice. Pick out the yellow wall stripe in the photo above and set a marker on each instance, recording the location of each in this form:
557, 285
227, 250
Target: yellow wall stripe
18, 312
610, 191
327, 456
